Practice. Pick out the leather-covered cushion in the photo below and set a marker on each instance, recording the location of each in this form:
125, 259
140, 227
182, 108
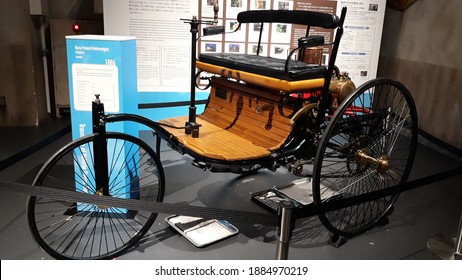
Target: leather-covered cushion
266, 66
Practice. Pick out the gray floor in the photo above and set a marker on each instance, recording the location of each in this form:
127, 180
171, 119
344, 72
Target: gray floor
418, 216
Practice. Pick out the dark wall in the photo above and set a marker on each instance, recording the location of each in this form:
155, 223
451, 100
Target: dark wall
21, 70
22, 81
421, 48
73, 9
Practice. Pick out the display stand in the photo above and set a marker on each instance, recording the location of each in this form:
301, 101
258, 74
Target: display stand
445, 247
105, 68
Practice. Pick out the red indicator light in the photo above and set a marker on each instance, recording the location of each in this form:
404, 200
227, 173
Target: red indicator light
76, 28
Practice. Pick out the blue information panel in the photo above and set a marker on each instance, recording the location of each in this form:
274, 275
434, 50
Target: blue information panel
104, 65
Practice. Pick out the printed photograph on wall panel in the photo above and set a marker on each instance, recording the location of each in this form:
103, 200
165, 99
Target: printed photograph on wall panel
234, 7
254, 49
233, 33
260, 4
206, 9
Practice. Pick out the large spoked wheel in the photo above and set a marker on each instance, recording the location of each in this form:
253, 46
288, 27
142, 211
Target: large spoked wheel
369, 144
75, 230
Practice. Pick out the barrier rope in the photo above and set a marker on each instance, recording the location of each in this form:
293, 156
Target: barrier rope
142, 205
312, 209
217, 213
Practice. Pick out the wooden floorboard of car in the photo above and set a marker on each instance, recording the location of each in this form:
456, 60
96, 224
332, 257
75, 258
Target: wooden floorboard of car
215, 142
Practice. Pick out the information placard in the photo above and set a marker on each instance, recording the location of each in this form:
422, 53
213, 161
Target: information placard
104, 66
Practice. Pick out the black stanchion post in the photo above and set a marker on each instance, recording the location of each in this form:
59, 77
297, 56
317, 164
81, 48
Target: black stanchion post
286, 214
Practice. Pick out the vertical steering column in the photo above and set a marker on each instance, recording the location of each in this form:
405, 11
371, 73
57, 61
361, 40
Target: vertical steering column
191, 126
100, 148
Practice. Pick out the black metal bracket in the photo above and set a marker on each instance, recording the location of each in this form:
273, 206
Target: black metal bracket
98, 116
99, 147
192, 128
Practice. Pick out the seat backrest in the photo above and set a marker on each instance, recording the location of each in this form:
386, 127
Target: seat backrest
308, 18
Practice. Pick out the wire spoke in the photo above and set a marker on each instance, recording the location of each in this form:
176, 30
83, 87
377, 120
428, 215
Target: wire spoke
87, 231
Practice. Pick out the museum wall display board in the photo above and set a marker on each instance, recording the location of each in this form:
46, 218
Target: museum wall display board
163, 40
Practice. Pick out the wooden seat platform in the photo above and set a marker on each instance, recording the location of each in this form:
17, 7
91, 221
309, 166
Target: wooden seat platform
240, 122
215, 142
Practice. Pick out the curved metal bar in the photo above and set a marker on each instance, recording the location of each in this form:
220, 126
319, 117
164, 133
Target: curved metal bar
287, 64
288, 59
156, 126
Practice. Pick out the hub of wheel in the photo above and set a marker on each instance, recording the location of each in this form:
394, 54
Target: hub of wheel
102, 207
364, 158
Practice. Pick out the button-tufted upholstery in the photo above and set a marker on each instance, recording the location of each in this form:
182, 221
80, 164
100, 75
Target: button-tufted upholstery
266, 66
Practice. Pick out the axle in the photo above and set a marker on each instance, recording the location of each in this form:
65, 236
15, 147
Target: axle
382, 163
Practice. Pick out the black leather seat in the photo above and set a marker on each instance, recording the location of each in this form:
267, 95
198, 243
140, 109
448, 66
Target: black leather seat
291, 72
266, 66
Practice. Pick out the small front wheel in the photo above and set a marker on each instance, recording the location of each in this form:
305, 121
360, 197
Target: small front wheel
75, 230
368, 145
